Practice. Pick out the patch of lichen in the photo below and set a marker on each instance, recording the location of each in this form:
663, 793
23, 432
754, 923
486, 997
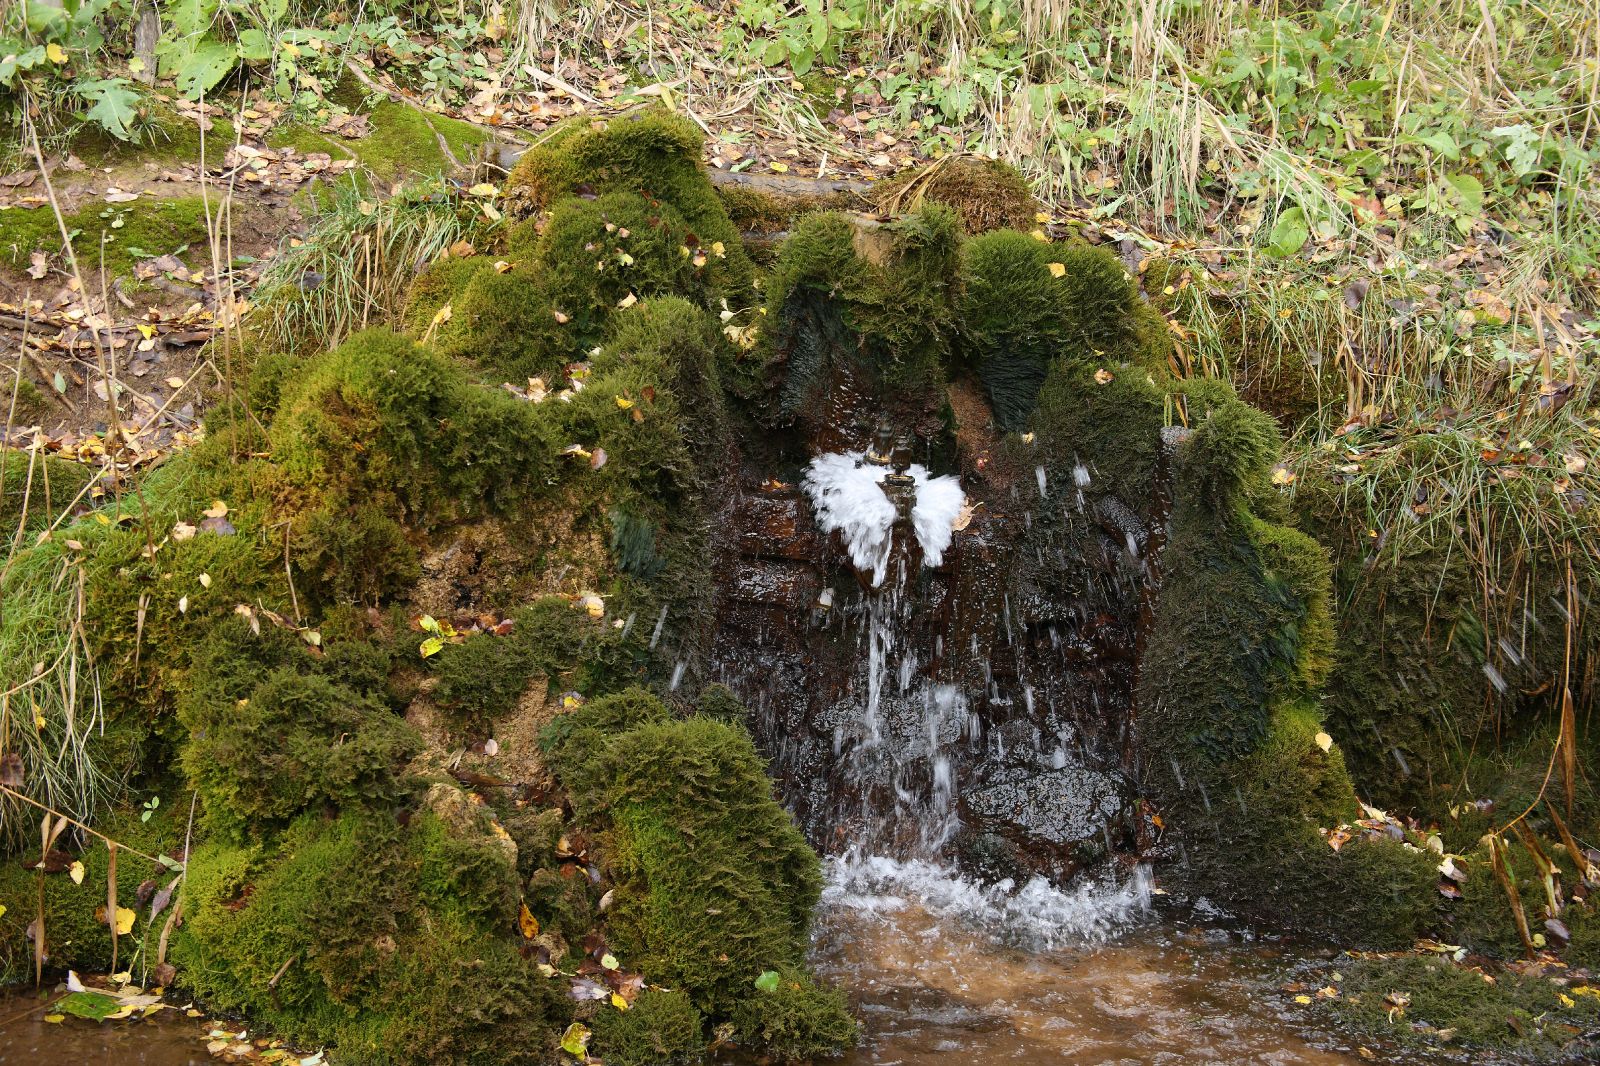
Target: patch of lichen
36, 489
404, 142
652, 152
106, 236
985, 194
363, 933
661, 1026
876, 299
1434, 1002
713, 883
75, 938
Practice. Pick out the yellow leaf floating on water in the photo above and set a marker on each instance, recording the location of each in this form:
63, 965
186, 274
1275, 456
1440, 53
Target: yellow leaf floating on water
75, 871
1057, 270
1325, 742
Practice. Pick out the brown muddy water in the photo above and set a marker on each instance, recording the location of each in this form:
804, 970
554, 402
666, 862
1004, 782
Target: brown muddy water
942, 973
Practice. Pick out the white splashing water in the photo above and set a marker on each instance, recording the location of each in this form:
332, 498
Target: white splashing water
1037, 915
848, 494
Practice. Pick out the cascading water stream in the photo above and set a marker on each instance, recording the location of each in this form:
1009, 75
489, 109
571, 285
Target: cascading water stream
908, 781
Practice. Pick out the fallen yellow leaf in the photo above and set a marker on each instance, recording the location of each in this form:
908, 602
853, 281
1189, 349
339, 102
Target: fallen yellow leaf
55, 53
1058, 270
75, 871
125, 917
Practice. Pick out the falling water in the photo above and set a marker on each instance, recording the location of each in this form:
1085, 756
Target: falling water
898, 750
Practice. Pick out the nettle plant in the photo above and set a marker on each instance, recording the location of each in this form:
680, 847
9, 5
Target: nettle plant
47, 54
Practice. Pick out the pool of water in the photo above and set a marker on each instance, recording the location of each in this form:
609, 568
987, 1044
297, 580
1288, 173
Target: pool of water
942, 972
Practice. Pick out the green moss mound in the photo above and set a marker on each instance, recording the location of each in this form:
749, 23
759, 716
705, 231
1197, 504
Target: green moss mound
76, 934
660, 1027
365, 934
985, 194
1016, 314
871, 299
797, 1019
593, 258
701, 854
439, 285
652, 152
1435, 1002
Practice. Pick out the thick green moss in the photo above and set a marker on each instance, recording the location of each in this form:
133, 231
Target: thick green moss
35, 490
593, 257
652, 152
368, 935
26, 403
1433, 1001
714, 885
798, 1020
112, 236
660, 1027
888, 313
985, 194
440, 284
404, 142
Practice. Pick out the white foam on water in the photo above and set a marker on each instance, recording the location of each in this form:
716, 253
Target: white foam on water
848, 494
1036, 915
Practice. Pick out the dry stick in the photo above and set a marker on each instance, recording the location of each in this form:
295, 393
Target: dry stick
111, 899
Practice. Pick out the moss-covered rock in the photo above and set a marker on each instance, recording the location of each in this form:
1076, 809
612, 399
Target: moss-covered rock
439, 285
985, 194
404, 142
366, 934
796, 1018
76, 934
652, 152
660, 1027
36, 489
714, 885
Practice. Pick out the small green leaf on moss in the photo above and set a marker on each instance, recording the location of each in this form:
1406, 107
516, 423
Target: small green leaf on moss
768, 981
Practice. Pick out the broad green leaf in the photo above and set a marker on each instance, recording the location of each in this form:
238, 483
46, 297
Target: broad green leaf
1469, 192
768, 981
205, 65
1441, 142
91, 1005
254, 46
1289, 234
115, 106
188, 17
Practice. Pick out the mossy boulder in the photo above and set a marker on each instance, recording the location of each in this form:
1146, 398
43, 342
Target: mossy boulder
985, 194
439, 285
714, 884
652, 152
661, 1026
366, 934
